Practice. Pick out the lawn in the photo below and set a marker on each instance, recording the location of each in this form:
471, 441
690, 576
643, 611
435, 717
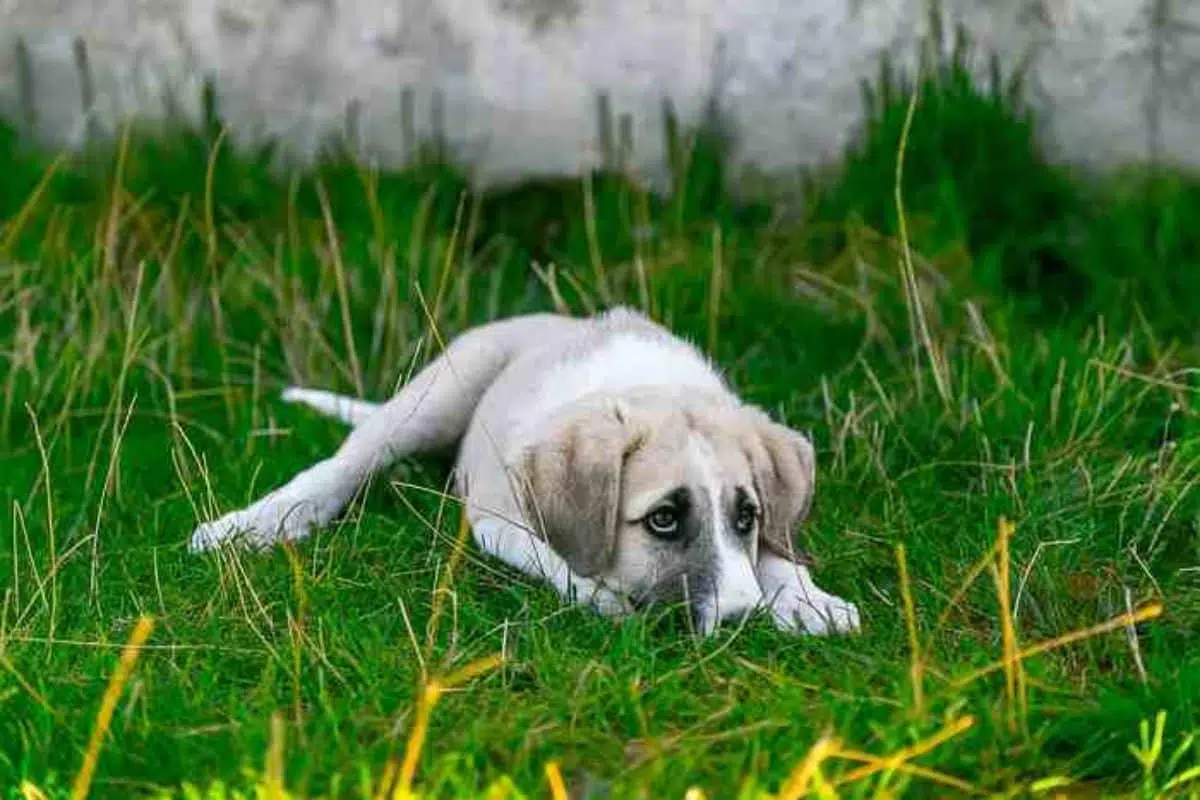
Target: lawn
1002, 383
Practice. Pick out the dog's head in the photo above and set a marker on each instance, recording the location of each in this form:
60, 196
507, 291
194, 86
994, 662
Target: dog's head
667, 502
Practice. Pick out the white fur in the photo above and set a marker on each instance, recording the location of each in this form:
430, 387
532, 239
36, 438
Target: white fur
626, 361
737, 592
797, 604
493, 393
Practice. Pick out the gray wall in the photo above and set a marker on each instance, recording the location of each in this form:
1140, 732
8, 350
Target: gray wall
514, 87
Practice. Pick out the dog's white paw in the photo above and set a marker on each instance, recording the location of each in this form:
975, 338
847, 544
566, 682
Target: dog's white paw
814, 612
258, 526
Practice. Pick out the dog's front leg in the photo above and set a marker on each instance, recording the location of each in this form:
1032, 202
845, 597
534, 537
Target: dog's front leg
516, 546
797, 604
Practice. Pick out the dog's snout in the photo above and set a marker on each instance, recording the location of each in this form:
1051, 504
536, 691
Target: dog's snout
738, 591
734, 593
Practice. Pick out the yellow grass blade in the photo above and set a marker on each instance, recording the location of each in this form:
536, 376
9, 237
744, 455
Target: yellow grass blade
444, 580
916, 668
1186, 776
108, 704
900, 757
972, 575
472, 670
558, 789
1146, 613
430, 695
416, 740
18, 222
1014, 677
31, 792
912, 769
274, 776
797, 783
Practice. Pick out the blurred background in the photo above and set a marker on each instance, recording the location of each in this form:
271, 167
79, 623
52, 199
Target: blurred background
522, 88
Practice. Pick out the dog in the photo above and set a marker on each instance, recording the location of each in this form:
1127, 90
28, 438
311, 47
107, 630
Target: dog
601, 454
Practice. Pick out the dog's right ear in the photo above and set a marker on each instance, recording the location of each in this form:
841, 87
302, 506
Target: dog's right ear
784, 466
570, 486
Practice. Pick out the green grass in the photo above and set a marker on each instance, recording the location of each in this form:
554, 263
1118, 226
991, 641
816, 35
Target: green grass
153, 303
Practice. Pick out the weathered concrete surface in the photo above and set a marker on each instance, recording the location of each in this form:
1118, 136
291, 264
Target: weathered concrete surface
516, 88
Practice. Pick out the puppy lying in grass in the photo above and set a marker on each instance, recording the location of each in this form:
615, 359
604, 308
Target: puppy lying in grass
603, 455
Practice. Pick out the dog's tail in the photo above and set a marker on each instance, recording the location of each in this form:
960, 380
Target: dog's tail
339, 406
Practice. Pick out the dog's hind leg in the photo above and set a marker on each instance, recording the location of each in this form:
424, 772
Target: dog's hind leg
431, 412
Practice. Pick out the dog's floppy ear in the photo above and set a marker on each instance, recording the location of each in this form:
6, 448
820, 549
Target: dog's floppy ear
784, 466
570, 484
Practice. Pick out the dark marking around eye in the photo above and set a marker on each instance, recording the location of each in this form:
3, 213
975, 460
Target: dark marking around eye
744, 514
688, 567
681, 498
742, 497
671, 519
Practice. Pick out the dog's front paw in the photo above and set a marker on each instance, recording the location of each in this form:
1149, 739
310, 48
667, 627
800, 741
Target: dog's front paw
257, 526
814, 612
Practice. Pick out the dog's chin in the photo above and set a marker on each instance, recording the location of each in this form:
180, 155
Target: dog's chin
705, 617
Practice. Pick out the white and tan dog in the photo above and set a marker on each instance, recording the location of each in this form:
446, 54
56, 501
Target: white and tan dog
602, 454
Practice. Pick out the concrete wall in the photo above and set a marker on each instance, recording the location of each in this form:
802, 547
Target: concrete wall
526, 87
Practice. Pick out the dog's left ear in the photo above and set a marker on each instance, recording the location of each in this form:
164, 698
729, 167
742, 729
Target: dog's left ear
570, 486
784, 466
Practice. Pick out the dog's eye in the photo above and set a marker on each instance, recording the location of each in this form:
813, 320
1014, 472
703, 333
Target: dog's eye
663, 522
746, 519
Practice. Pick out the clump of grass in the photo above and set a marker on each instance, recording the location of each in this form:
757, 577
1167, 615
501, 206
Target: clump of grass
150, 320
984, 200
976, 180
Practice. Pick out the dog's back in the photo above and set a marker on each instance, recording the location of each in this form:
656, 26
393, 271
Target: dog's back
512, 372
610, 353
